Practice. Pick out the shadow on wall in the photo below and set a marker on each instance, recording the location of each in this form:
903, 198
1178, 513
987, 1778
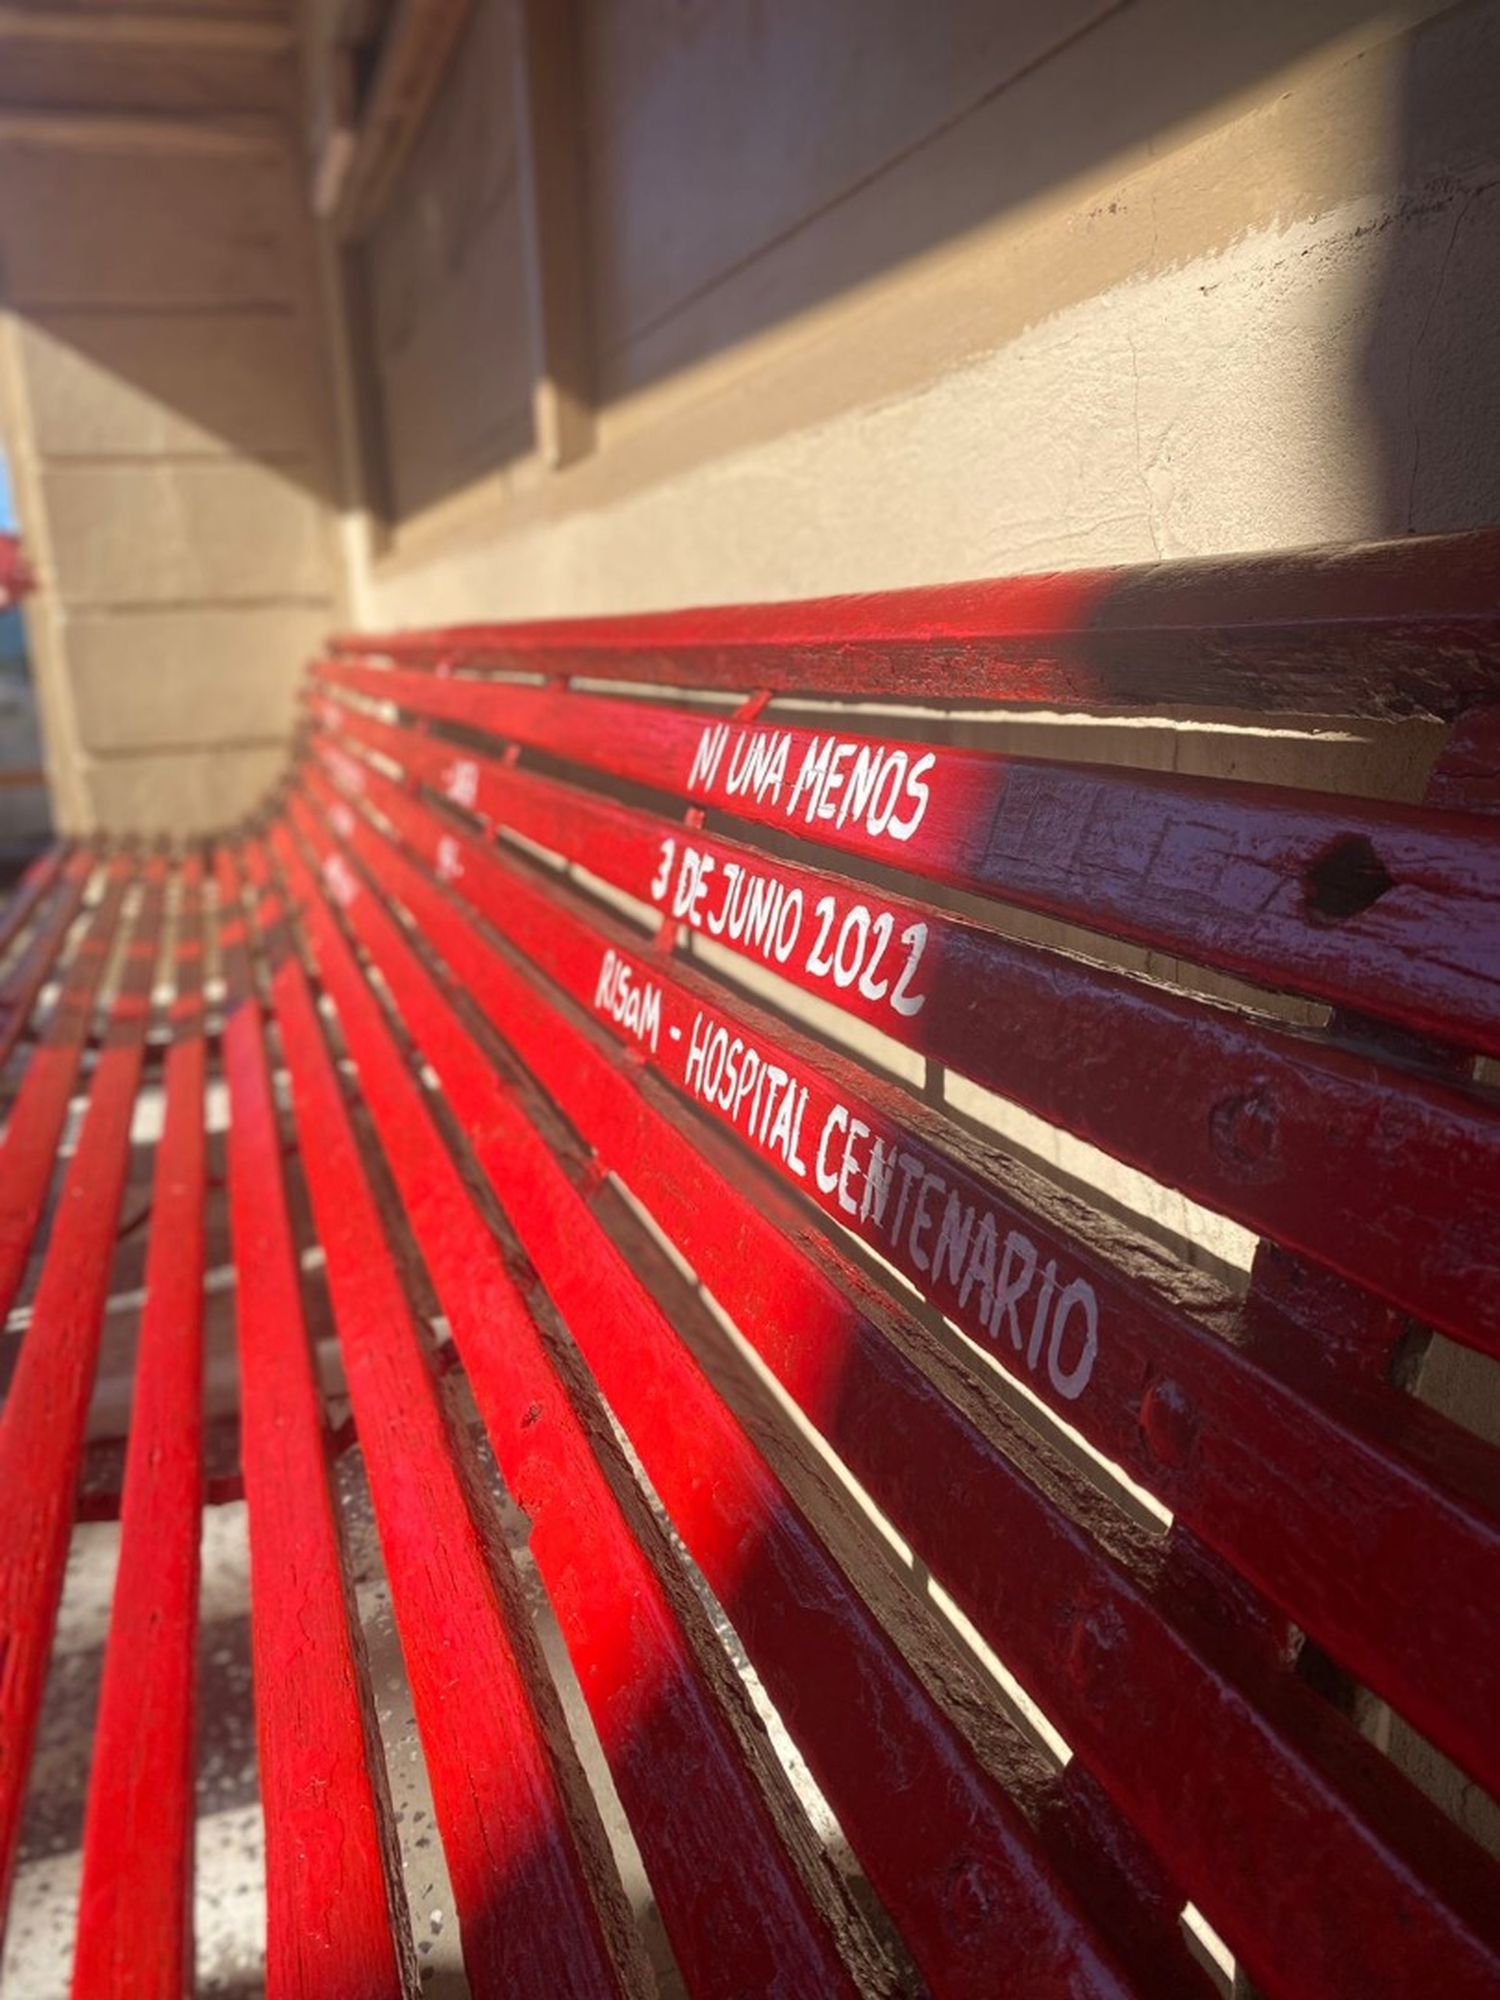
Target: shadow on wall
747, 167
1430, 383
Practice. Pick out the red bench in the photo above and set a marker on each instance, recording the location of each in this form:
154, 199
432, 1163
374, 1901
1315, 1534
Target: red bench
15, 573
1090, 1583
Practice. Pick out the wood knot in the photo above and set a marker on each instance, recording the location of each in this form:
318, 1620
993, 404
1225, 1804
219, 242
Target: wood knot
1344, 880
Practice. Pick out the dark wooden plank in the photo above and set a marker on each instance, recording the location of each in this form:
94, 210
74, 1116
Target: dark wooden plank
551, 109
413, 53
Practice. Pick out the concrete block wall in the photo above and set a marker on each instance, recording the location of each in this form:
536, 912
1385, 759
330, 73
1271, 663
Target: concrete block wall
161, 394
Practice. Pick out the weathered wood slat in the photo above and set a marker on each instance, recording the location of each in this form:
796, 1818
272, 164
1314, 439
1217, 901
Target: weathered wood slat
28, 892
25, 980
135, 1923
534, 1899
1081, 1631
1384, 908
333, 1893
46, 1406
1395, 629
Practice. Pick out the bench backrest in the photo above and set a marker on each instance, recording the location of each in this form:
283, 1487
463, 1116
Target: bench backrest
1093, 1580
1301, 1503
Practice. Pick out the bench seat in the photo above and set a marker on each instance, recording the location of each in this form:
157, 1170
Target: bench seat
692, 1080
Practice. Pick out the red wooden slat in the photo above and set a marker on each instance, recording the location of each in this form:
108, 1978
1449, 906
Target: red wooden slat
46, 1409
527, 1890
25, 980
336, 1914
1333, 1505
1386, 908
942, 1846
1388, 1179
1147, 1709
28, 1153
1396, 628
735, 1911
135, 1923
28, 892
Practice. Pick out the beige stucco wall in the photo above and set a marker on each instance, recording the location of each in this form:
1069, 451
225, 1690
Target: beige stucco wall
161, 402
1262, 323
